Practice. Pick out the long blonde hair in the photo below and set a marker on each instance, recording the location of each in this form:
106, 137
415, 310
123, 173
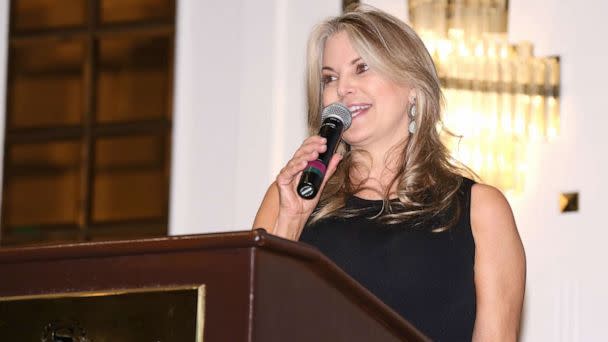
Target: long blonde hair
427, 179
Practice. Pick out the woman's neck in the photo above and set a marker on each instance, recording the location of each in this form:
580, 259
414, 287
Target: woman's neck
374, 172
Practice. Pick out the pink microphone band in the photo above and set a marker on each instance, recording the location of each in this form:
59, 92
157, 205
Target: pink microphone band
316, 164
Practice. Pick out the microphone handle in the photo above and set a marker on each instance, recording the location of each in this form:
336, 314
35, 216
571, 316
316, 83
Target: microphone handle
313, 175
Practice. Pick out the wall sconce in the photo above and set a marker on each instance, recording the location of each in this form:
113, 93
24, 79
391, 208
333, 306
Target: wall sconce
499, 97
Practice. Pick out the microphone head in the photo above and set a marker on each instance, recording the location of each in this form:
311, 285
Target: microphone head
338, 111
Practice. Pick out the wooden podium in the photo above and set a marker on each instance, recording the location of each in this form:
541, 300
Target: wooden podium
244, 286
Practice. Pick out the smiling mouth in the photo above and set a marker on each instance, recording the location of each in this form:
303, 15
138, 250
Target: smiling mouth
356, 110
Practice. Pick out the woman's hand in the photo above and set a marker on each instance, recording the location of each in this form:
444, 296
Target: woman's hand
292, 211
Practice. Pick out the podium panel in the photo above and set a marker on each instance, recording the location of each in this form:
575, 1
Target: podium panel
149, 314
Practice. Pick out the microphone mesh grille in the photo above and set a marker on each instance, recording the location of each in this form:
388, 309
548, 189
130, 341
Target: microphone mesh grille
339, 111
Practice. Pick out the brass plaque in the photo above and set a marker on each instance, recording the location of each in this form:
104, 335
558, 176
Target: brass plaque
126, 315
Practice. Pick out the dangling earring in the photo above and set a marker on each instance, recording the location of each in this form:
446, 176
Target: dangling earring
412, 114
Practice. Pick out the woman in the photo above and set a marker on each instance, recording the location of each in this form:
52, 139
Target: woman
394, 211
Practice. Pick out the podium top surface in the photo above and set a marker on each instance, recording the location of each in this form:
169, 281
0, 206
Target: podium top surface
226, 240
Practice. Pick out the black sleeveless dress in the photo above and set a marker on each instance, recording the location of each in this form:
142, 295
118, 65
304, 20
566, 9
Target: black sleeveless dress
426, 277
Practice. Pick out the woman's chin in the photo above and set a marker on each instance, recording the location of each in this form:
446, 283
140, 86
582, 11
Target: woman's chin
354, 139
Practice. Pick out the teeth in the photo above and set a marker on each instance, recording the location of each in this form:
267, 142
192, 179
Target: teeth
358, 107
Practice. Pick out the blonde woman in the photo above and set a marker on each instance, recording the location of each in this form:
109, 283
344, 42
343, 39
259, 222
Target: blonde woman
394, 211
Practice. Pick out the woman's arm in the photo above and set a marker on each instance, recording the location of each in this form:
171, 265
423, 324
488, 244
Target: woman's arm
283, 212
500, 266
269, 217
266, 216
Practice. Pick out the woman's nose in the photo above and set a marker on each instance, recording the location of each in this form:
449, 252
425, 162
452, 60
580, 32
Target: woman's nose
345, 87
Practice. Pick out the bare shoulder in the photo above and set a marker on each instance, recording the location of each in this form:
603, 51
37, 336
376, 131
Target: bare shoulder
490, 210
269, 209
493, 226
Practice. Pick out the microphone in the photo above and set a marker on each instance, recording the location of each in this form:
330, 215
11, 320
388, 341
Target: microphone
336, 119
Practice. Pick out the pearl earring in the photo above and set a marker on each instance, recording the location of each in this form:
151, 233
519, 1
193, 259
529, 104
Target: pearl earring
412, 115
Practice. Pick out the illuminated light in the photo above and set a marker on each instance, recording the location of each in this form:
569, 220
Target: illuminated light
534, 132
501, 161
477, 160
500, 98
506, 123
492, 53
479, 51
521, 167
465, 155
463, 50
553, 118
520, 124
444, 49
490, 161
456, 33
504, 52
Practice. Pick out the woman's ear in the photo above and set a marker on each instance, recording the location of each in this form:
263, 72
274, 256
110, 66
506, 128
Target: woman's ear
412, 95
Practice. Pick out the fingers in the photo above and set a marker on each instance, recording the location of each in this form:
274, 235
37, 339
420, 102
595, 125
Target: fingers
310, 150
291, 170
331, 168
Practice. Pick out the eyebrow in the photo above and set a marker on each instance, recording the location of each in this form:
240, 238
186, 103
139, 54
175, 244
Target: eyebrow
354, 61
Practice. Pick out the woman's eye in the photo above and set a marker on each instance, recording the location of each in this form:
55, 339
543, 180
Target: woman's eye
362, 67
328, 79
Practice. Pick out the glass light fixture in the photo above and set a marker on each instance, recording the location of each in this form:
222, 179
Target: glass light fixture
499, 96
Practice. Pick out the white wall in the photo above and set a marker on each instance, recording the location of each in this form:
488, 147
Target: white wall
239, 105
566, 253
397, 8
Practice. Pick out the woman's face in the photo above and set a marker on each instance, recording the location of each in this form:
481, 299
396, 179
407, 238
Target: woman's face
379, 105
